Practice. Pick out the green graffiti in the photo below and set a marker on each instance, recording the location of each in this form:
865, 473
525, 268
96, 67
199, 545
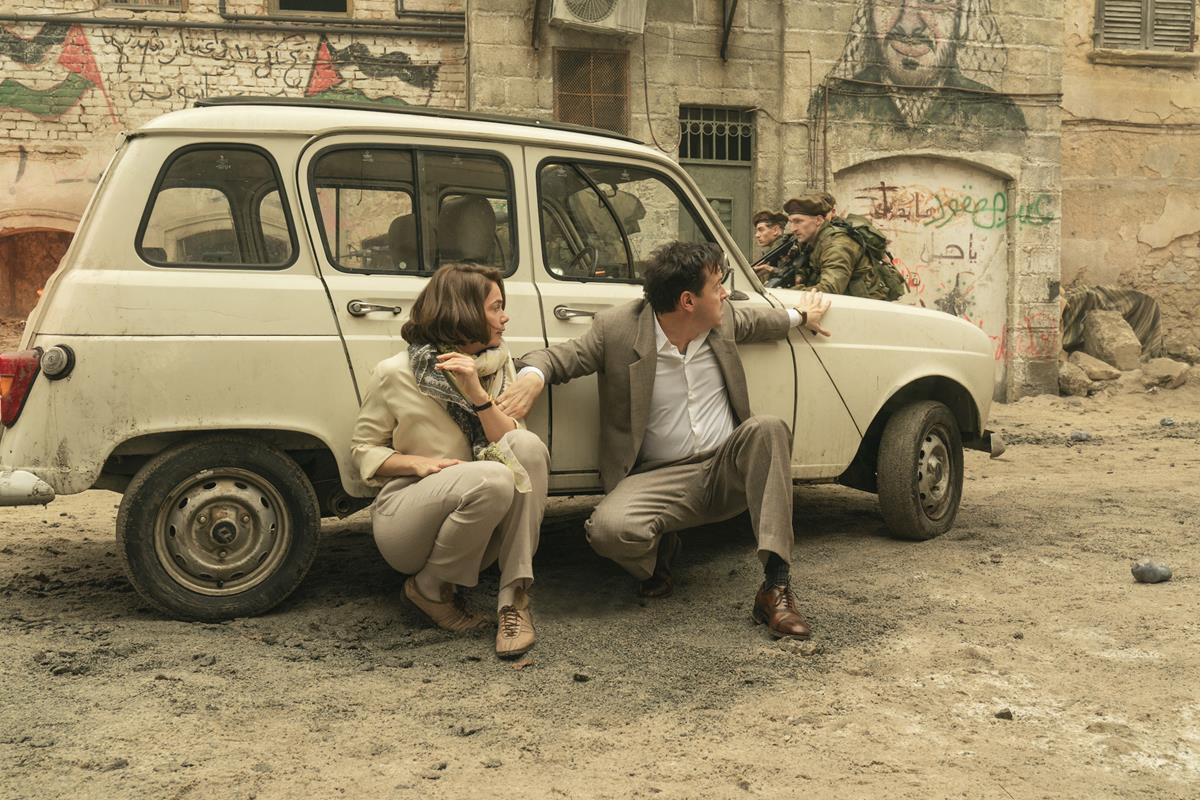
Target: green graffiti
989, 213
44, 103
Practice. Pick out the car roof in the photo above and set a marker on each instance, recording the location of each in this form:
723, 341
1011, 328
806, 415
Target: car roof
308, 117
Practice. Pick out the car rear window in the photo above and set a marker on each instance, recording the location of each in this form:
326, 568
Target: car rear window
217, 206
407, 211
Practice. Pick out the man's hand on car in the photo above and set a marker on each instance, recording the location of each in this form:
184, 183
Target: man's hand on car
517, 399
813, 306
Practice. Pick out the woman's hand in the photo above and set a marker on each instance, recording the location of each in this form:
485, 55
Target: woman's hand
421, 466
462, 368
399, 465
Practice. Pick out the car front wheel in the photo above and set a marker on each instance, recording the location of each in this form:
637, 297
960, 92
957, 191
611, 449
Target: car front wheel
920, 471
218, 528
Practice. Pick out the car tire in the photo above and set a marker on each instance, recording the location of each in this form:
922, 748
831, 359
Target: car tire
919, 471
218, 528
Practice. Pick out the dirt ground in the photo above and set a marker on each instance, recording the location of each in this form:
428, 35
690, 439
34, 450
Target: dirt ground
1027, 606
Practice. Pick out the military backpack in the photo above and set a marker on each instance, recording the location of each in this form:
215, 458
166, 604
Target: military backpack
874, 245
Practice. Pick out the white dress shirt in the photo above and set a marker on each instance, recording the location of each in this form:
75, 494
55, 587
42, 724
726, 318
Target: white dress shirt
689, 405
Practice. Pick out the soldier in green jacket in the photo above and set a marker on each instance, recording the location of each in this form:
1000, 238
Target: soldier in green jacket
828, 260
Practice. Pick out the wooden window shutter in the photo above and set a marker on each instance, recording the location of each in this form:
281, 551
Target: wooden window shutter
1174, 25
1146, 24
1122, 24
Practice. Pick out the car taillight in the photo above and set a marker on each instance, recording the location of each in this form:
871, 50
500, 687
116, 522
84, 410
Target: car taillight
17, 371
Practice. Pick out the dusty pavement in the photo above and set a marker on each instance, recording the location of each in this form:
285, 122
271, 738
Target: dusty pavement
1028, 605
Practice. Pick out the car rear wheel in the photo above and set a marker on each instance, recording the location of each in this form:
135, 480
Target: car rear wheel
920, 471
218, 528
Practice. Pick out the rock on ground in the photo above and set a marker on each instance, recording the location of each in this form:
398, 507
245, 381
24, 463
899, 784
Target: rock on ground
1095, 369
1108, 337
1164, 372
1072, 380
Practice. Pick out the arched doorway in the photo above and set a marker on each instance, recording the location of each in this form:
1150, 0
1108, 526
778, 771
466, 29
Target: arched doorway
947, 222
27, 259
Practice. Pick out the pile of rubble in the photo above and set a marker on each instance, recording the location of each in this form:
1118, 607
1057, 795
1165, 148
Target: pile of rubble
1112, 359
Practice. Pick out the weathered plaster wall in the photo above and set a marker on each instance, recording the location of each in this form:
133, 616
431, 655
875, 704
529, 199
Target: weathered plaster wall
1131, 175
67, 89
816, 73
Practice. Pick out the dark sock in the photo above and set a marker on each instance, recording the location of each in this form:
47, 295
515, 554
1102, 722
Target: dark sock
776, 570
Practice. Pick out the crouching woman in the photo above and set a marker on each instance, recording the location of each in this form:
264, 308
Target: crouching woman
464, 484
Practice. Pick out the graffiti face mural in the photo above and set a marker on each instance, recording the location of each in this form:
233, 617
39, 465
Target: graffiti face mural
59, 51
921, 63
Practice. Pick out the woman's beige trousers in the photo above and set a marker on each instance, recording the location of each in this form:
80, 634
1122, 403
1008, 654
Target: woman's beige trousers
463, 519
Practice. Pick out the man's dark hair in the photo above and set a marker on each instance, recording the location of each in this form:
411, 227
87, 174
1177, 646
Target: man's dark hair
679, 267
771, 218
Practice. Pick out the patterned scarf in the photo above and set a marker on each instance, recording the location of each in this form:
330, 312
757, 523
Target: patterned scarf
496, 373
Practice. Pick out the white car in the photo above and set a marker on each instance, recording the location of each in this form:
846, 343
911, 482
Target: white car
243, 265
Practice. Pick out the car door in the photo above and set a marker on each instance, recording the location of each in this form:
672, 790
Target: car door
598, 222
388, 209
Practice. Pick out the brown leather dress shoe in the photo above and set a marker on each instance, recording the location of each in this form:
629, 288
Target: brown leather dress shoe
659, 584
775, 606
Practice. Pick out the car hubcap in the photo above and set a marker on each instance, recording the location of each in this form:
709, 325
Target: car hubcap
934, 473
222, 531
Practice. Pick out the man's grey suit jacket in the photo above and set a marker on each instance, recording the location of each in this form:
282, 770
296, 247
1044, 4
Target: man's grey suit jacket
621, 348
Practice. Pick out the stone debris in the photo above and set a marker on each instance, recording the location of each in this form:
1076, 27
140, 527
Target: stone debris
1004, 713
1147, 571
1080, 436
1164, 372
582, 677
1108, 337
1093, 367
1073, 381
1167, 422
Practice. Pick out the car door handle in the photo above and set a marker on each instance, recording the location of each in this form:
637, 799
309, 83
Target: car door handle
360, 308
565, 313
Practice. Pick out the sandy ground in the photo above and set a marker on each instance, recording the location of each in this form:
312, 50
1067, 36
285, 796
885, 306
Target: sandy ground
1028, 605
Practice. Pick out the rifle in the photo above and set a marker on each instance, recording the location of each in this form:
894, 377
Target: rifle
777, 252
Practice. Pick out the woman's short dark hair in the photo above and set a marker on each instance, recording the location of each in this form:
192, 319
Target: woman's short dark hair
679, 267
449, 310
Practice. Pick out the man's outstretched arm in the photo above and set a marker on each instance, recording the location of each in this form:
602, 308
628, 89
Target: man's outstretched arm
557, 364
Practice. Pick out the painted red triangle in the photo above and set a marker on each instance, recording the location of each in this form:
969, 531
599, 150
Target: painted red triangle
77, 56
324, 74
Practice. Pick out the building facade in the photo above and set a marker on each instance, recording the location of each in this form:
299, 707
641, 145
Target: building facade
999, 152
1131, 154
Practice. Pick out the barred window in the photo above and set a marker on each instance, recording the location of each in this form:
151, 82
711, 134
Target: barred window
311, 6
591, 87
716, 134
1146, 24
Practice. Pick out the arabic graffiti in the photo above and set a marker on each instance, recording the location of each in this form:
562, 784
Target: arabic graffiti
940, 207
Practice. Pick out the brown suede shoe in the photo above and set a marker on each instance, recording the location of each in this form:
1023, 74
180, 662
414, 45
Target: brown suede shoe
515, 635
659, 584
775, 606
450, 614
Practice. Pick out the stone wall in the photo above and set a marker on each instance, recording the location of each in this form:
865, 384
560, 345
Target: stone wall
1131, 172
964, 177
71, 85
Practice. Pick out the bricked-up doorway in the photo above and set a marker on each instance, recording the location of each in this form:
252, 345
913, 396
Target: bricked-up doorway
27, 259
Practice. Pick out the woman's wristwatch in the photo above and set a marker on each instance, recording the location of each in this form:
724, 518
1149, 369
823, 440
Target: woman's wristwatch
482, 406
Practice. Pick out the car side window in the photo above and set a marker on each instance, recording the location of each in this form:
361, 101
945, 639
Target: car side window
217, 206
603, 221
407, 211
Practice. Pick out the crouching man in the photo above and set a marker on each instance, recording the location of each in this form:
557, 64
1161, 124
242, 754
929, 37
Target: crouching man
678, 445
